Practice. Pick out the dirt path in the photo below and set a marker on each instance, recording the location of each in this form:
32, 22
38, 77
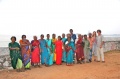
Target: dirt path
95, 70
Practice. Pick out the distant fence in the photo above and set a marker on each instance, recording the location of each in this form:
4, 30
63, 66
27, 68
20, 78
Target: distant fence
5, 61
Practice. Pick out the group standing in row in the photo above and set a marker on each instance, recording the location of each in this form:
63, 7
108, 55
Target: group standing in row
56, 50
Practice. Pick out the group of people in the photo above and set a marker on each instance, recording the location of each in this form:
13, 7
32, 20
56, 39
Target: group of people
56, 50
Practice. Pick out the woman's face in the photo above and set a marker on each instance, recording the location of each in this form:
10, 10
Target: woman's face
42, 36
53, 36
79, 36
63, 35
59, 38
48, 36
24, 37
94, 33
69, 39
35, 38
13, 39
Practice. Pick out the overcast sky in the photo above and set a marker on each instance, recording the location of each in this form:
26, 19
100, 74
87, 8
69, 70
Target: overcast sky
35, 17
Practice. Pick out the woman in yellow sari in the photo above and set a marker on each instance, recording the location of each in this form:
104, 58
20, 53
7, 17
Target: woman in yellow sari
53, 47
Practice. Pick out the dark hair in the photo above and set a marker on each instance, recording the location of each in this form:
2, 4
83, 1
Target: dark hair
48, 34
98, 30
59, 37
41, 35
85, 35
23, 36
13, 37
53, 34
69, 38
71, 29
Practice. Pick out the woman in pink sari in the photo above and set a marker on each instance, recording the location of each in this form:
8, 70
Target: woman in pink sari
35, 59
58, 45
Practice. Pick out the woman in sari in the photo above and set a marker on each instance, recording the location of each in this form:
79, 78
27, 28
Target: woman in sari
44, 51
79, 49
35, 56
58, 45
70, 48
94, 48
16, 59
53, 47
25, 50
49, 44
64, 52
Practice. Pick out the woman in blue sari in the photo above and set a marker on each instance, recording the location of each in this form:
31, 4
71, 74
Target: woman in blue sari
70, 48
64, 52
44, 51
49, 46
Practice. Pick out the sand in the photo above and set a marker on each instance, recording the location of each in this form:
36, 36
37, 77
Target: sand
95, 70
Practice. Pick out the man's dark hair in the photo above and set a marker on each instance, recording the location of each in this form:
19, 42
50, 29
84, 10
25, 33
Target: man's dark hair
98, 30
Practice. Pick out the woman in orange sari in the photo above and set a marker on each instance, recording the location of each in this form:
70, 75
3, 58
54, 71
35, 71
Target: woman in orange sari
35, 56
25, 51
58, 45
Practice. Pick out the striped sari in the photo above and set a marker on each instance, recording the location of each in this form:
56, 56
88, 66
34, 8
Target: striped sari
53, 49
25, 50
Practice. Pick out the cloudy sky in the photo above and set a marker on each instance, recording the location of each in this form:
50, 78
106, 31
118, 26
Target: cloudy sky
35, 17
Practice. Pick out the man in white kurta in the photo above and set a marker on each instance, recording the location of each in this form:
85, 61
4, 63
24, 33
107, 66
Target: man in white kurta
100, 42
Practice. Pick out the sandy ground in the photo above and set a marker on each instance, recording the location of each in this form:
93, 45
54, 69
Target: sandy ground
95, 70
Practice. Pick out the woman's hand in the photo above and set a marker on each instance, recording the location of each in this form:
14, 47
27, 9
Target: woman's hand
17, 48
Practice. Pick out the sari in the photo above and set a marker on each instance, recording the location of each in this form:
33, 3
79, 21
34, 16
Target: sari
49, 44
58, 45
53, 49
79, 50
64, 52
25, 50
70, 51
35, 56
16, 59
44, 52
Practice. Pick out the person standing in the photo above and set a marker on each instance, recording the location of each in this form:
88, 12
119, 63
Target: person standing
58, 46
35, 49
49, 47
63, 49
53, 47
26, 52
70, 48
91, 45
73, 36
100, 42
94, 48
79, 49
86, 49
44, 51
16, 59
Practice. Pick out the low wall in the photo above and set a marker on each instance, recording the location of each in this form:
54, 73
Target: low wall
5, 61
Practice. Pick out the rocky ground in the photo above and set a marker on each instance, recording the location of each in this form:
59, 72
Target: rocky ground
95, 70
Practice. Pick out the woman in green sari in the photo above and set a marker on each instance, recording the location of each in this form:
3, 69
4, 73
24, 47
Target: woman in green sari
15, 55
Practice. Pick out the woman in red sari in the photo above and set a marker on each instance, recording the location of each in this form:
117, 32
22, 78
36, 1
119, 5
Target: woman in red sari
58, 45
79, 49
35, 59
